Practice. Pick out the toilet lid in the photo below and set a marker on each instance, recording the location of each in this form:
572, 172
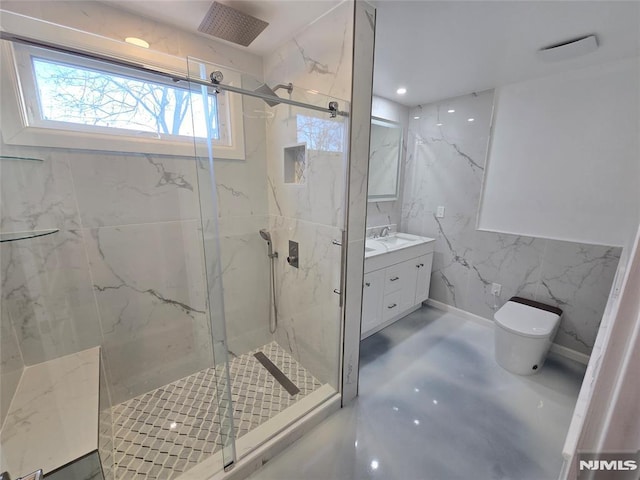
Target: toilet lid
525, 320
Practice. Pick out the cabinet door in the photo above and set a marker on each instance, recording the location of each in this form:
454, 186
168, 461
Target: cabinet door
372, 294
422, 266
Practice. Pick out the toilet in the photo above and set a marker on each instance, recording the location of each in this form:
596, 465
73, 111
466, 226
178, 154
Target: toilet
524, 331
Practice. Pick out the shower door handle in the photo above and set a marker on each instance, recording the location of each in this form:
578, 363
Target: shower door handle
343, 259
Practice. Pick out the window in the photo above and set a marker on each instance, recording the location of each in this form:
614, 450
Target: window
96, 98
320, 133
67, 100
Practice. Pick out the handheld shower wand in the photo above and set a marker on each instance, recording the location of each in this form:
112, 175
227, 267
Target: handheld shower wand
272, 255
267, 236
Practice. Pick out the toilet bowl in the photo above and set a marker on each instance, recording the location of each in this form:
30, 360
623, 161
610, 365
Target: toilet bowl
524, 331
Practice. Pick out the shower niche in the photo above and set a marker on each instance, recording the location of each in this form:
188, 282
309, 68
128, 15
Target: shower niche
295, 164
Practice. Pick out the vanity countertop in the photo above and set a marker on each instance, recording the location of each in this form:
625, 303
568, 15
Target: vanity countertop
397, 247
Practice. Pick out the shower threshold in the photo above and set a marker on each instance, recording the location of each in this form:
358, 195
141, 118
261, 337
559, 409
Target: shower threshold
165, 432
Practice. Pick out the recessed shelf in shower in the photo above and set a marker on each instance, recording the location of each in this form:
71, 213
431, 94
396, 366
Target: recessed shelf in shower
295, 164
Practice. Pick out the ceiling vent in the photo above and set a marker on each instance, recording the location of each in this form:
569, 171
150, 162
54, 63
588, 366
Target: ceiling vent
232, 25
570, 49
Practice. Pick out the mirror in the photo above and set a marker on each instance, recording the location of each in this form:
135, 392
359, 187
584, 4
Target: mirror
384, 160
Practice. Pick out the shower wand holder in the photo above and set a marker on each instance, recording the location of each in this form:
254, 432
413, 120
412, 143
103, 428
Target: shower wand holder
292, 259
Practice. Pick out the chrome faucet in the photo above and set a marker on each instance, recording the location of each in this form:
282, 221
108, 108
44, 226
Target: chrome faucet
384, 232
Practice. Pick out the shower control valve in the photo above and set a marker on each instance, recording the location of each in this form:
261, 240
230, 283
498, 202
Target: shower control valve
292, 259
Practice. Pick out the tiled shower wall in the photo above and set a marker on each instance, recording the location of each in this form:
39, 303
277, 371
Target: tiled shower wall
444, 167
311, 213
126, 270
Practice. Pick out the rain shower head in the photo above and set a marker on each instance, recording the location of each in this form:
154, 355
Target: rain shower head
229, 24
266, 90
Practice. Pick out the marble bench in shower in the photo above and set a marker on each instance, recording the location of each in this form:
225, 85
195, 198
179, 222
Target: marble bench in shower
53, 422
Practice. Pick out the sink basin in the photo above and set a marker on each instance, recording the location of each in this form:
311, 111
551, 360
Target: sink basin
395, 241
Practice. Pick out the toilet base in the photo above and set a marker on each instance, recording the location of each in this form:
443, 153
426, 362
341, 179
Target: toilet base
518, 354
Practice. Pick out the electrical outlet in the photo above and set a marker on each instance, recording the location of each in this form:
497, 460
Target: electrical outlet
440, 212
496, 288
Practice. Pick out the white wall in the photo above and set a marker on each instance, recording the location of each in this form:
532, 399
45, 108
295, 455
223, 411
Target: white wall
564, 157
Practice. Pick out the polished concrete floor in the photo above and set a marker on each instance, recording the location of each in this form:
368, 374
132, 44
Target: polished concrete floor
434, 404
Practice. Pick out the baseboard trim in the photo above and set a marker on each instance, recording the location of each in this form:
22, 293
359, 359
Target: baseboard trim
555, 348
569, 353
463, 313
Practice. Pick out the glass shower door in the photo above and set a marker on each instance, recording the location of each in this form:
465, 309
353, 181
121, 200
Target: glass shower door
273, 175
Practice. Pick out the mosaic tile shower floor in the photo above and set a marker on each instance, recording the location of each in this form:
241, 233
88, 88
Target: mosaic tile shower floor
167, 431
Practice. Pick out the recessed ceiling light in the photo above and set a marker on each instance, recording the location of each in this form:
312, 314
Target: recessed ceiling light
451, 111
470, 119
416, 118
401, 91
439, 124
137, 41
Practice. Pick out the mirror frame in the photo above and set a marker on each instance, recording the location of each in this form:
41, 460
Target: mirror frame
388, 197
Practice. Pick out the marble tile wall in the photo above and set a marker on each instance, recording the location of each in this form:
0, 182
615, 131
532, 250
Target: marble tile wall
11, 363
445, 167
319, 59
127, 269
364, 35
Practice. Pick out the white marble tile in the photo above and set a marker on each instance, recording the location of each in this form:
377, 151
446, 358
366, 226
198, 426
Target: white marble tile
511, 261
319, 57
150, 288
444, 167
54, 418
114, 189
383, 213
308, 309
245, 271
46, 288
36, 195
577, 278
11, 364
365, 19
321, 198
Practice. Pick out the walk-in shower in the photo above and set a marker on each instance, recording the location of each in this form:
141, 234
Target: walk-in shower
137, 331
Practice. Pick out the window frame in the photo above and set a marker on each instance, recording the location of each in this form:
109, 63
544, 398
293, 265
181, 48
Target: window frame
21, 123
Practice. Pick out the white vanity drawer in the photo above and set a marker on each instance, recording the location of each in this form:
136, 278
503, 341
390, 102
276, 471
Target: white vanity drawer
391, 305
396, 277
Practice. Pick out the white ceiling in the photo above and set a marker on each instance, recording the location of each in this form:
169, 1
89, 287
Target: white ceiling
285, 17
440, 49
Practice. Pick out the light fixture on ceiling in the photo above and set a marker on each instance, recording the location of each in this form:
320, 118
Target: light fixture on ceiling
416, 118
137, 41
569, 49
470, 119
439, 124
451, 111
401, 91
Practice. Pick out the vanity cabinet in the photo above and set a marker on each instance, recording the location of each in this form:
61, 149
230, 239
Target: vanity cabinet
392, 292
